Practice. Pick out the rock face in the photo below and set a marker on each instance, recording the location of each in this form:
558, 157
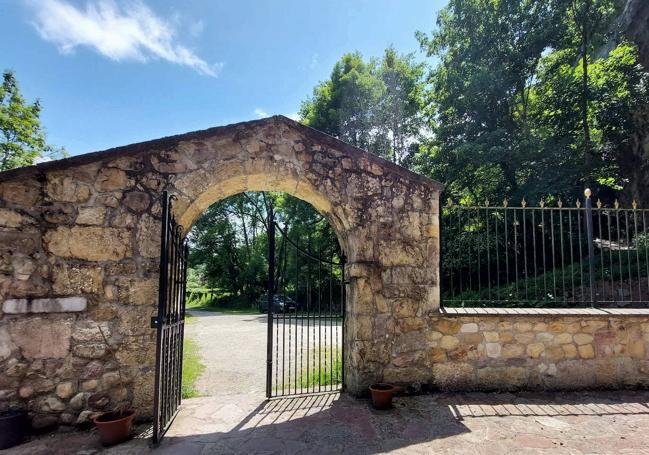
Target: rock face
79, 249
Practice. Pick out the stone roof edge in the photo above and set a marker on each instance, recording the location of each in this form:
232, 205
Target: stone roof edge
169, 141
360, 153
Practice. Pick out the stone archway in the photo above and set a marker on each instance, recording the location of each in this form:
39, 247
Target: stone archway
79, 246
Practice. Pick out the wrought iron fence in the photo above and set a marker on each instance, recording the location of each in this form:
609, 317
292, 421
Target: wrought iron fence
551, 255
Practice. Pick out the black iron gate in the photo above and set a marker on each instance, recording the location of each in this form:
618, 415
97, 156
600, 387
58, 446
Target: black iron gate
170, 320
306, 313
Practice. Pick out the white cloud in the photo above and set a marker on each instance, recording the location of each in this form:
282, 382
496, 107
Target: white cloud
126, 31
260, 113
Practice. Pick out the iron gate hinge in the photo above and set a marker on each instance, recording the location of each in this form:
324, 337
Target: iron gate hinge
154, 322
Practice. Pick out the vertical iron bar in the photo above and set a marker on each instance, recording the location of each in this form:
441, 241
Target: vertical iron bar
563, 271
343, 306
271, 299
628, 253
601, 252
162, 287
591, 252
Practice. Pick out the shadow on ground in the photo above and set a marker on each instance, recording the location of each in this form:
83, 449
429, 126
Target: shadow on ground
601, 422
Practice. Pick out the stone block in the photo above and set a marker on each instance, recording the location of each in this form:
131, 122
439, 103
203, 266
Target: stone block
53, 305
92, 216
40, 338
89, 243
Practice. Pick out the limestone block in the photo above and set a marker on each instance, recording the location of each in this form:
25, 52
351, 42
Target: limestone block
449, 342
148, 237
24, 192
7, 345
470, 327
63, 188
53, 305
65, 390
138, 201
583, 338
137, 291
586, 351
77, 279
13, 219
534, 350
40, 338
111, 179
89, 243
93, 216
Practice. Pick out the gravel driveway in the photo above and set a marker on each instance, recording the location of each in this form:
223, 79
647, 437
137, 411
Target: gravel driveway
233, 350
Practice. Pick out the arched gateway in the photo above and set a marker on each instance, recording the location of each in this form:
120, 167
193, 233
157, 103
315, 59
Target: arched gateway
80, 250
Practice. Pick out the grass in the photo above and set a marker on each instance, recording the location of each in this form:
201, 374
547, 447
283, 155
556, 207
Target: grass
192, 368
223, 303
540, 288
319, 376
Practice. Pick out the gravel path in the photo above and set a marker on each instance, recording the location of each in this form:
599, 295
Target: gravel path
233, 350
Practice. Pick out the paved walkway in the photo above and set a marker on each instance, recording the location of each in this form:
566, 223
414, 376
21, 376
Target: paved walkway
570, 423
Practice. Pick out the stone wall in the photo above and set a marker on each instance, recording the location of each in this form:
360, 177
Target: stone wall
79, 249
79, 253
537, 351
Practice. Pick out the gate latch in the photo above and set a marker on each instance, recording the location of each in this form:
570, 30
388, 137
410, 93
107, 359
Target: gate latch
154, 322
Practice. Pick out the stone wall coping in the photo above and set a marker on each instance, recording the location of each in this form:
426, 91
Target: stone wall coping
605, 312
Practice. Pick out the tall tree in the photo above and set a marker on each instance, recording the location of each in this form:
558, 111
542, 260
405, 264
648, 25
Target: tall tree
22, 138
480, 92
375, 105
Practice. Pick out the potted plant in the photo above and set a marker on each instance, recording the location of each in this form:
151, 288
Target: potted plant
13, 426
382, 394
115, 426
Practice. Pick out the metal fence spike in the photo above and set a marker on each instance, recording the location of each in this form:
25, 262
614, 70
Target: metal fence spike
634, 204
541, 203
578, 203
505, 203
559, 203
523, 203
599, 203
616, 204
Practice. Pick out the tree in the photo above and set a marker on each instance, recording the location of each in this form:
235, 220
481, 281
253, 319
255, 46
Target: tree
229, 244
22, 140
375, 105
480, 93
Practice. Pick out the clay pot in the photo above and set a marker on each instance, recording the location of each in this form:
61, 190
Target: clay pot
13, 426
382, 395
115, 427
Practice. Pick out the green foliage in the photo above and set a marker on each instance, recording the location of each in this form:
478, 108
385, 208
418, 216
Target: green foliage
192, 368
523, 103
22, 139
375, 105
229, 250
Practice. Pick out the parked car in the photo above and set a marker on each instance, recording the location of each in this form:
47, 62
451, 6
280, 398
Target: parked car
281, 304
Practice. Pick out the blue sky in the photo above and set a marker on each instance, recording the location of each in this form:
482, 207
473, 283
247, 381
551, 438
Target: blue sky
114, 72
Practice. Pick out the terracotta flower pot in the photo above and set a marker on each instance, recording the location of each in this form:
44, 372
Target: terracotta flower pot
382, 395
115, 427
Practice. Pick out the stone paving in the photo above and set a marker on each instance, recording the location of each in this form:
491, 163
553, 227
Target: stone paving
474, 423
